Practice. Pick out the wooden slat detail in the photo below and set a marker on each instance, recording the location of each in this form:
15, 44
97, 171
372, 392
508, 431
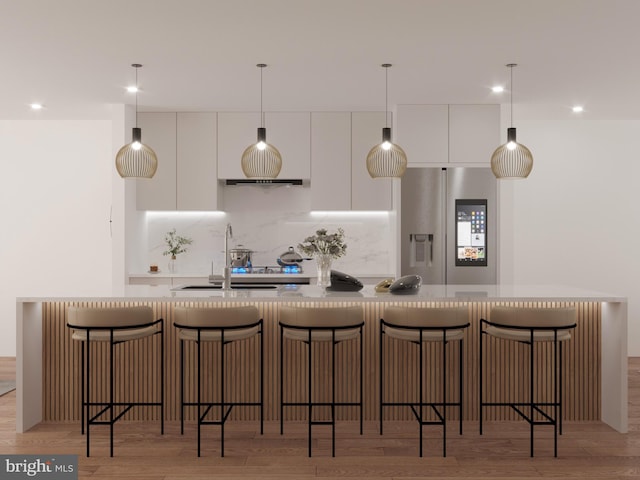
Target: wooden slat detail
137, 367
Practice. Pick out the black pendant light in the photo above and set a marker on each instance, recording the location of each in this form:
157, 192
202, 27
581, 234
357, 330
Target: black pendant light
511, 160
260, 159
135, 159
386, 159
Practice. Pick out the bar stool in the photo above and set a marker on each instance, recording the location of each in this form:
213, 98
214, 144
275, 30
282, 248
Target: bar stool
531, 326
420, 325
224, 325
114, 326
320, 325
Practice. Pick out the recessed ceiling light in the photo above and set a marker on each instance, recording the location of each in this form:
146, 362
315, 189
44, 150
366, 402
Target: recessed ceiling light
36, 106
578, 109
132, 89
497, 89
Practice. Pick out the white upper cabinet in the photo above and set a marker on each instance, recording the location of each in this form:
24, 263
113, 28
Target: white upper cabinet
331, 161
439, 135
474, 133
367, 193
185, 144
289, 132
197, 179
159, 133
423, 133
236, 131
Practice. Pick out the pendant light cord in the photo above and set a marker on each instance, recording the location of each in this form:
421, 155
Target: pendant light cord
261, 112
511, 65
136, 117
386, 96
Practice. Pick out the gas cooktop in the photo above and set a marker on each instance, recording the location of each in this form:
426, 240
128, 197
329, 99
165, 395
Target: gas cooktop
269, 270
276, 274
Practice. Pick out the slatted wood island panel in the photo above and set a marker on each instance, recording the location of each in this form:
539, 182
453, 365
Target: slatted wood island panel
586, 358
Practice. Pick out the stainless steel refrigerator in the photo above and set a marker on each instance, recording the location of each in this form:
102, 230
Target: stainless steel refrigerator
448, 225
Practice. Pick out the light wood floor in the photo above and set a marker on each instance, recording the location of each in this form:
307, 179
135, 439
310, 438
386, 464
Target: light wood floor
586, 450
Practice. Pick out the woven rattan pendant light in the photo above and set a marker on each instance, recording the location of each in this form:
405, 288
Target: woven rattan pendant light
511, 160
386, 159
136, 160
260, 159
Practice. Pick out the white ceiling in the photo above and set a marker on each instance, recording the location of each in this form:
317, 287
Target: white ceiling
74, 56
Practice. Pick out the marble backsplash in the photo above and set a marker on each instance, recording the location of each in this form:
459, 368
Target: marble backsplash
267, 220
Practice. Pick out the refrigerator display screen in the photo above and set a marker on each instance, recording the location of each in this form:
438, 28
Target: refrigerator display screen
471, 232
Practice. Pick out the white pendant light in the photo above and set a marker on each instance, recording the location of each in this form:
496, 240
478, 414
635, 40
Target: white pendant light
511, 160
136, 160
386, 159
261, 160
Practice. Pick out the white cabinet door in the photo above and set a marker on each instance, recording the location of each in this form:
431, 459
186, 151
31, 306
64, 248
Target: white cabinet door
474, 133
422, 131
159, 133
331, 161
289, 132
236, 131
367, 193
197, 180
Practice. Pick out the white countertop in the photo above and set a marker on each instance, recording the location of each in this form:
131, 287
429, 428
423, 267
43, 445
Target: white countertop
287, 293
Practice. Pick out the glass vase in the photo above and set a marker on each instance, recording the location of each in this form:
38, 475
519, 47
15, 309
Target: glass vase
323, 264
172, 264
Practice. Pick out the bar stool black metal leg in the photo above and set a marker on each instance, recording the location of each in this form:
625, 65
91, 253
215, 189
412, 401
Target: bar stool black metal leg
111, 397
181, 387
560, 414
222, 416
82, 405
88, 392
162, 379
261, 380
420, 393
555, 393
310, 381
199, 398
281, 380
461, 382
361, 383
381, 383
480, 335
444, 395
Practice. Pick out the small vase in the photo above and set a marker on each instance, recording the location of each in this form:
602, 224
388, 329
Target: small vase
323, 263
172, 264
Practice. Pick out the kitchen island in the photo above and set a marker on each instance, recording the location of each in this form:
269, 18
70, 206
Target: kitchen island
595, 367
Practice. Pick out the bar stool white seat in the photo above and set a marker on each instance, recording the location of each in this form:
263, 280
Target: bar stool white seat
531, 326
115, 326
420, 326
223, 325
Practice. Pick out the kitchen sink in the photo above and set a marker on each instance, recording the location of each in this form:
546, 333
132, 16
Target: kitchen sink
234, 286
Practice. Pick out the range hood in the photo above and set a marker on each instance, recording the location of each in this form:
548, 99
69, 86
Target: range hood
275, 181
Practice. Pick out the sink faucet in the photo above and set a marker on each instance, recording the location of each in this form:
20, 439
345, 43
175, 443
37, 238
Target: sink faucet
226, 271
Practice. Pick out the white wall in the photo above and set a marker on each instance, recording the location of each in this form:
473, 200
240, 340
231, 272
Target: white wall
54, 210
576, 220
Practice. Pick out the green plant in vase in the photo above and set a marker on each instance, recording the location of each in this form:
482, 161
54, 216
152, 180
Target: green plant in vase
176, 244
